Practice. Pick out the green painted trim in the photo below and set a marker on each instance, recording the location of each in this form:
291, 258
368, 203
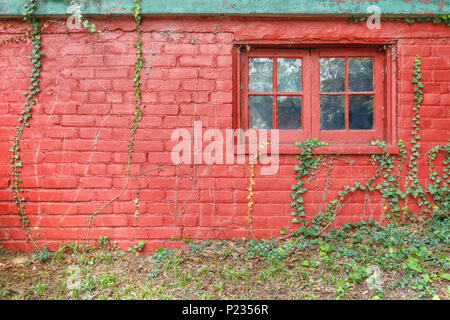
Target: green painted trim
234, 7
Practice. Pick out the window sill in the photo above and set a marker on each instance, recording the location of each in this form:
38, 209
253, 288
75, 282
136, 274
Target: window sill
348, 149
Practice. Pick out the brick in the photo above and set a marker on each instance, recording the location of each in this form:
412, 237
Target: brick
148, 146
162, 110
162, 61
60, 182
183, 73
441, 75
120, 60
90, 208
78, 73
122, 157
111, 221
93, 182
163, 85
224, 61
215, 49
166, 97
445, 101
183, 97
79, 145
95, 108
224, 85
181, 49
221, 97
196, 61
198, 85
58, 209
61, 132
152, 195
224, 37
413, 51
217, 74
96, 157
95, 85
122, 84
62, 234
111, 73
77, 121
164, 233
113, 121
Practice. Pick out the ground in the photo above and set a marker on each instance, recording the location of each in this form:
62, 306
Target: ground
358, 261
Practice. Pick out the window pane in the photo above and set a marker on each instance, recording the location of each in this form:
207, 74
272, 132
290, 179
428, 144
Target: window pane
260, 74
332, 112
360, 74
289, 75
361, 112
332, 74
261, 112
289, 112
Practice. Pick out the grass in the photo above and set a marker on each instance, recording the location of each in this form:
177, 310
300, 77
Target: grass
358, 261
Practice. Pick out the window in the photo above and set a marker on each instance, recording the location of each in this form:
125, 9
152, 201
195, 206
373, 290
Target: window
334, 94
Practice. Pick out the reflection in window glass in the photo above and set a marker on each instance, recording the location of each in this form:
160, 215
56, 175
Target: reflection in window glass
332, 112
360, 74
332, 74
261, 112
361, 112
260, 74
289, 113
289, 75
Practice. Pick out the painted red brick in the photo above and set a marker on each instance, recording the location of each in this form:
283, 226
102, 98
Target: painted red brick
75, 151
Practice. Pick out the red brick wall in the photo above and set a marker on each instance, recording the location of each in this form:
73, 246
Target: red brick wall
75, 150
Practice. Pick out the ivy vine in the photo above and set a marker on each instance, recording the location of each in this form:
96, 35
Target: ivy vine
438, 187
15, 160
413, 184
306, 166
140, 61
439, 19
385, 163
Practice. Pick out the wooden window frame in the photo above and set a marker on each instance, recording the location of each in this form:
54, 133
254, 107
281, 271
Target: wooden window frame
285, 135
348, 141
349, 135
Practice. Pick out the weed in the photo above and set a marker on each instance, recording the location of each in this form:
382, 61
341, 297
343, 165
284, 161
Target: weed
42, 255
137, 248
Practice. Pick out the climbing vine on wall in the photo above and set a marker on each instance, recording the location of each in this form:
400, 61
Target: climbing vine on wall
15, 160
390, 188
137, 82
34, 35
413, 184
140, 61
438, 187
36, 59
23, 35
306, 166
388, 168
251, 180
440, 19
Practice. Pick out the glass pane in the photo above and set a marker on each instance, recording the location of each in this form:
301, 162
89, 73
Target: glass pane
261, 112
361, 112
289, 75
289, 113
360, 74
332, 112
260, 74
332, 74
